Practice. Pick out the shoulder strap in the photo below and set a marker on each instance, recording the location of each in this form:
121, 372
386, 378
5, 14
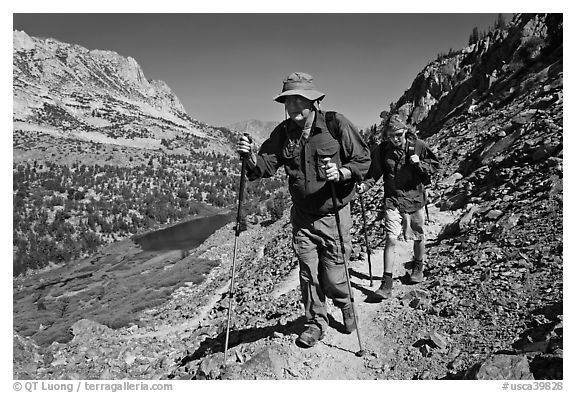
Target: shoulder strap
332, 125
410, 147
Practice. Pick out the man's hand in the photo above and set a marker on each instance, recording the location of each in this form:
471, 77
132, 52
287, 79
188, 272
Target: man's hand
332, 172
414, 159
245, 147
361, 188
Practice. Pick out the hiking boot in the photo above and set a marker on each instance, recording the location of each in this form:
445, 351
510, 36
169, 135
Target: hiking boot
310, 337
385, 290
348, 318
417, 275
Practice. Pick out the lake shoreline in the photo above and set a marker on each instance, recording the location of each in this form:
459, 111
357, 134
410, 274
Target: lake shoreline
114, 287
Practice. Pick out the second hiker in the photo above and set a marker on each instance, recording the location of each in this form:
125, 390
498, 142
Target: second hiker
315, 148
406, 163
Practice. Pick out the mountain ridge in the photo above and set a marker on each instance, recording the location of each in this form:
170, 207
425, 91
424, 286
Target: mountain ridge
102, 96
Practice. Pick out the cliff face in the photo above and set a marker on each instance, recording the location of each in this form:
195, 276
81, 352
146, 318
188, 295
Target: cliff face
487, 70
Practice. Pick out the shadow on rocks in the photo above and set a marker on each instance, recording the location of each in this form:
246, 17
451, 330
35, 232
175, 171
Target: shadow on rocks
215, 345
363, 276
369, 293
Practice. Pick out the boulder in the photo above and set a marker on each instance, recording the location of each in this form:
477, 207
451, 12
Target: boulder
454, 202
453, 179
438, 340
416, 298
524, 117
459, 225
86, 328
502, 367
494, 214
268, 363
210, 367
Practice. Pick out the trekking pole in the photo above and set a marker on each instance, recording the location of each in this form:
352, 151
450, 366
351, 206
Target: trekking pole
366, 237
426, 206
243, 158
360, 353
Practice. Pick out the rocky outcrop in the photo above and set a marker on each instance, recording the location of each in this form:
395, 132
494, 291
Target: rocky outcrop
459, 82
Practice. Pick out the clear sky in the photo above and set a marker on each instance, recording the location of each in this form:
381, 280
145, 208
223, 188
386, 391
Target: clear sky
227, 67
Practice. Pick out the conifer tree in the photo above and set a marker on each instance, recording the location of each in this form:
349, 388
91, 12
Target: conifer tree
474, 37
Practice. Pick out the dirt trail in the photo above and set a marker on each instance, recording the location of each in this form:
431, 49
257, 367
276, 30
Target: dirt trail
334, 357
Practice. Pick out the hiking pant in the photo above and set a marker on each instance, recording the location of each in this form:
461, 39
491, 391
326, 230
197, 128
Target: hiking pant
322, 270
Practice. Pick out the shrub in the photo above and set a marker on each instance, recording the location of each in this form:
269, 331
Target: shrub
277, 205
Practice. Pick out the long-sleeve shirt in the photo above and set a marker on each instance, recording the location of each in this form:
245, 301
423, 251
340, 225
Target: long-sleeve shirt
403, 181
302, 161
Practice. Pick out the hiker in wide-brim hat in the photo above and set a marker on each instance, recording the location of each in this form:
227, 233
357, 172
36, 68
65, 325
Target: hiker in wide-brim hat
315, 148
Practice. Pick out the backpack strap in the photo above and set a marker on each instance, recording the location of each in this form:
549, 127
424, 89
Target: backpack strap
334, 128
410, 148
332, 125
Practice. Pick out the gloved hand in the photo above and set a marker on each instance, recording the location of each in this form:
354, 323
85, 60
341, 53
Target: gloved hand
414, 159
361, 188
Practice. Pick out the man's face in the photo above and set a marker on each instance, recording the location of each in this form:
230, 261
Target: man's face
397, 137
298, 108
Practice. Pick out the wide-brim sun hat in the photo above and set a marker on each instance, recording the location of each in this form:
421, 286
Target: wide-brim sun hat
299, 84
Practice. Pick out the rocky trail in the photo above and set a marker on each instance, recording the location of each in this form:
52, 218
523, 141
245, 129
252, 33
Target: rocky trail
380, 322
468, 319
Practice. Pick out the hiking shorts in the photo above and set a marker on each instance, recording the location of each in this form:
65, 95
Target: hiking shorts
404, 226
